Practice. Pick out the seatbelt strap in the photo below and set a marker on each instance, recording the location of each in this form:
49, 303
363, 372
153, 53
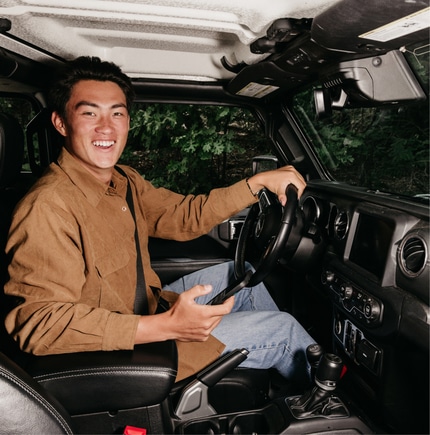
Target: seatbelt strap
141, 299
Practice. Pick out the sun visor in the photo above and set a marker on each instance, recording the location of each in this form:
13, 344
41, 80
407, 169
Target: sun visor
371, 26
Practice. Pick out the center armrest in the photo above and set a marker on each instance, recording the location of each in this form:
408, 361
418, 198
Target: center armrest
88, 382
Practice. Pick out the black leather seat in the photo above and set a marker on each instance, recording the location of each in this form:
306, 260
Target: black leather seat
25, 406
77, 393
83, 393
91, 382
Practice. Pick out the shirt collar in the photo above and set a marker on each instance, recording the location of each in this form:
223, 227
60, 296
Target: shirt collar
93, 189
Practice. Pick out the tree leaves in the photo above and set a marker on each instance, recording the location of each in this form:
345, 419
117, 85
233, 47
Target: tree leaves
190, 148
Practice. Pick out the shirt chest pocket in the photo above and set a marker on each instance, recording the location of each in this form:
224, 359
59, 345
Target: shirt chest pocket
116, 272
112, 262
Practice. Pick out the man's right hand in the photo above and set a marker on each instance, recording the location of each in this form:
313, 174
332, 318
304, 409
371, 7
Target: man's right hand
186, 320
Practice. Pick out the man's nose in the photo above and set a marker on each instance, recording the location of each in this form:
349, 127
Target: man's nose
104, 125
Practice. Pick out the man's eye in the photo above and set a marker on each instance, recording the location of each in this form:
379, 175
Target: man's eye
118, 114
89, 114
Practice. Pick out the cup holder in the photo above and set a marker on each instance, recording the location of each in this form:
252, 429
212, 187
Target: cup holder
254, 422
201, 427
246, 424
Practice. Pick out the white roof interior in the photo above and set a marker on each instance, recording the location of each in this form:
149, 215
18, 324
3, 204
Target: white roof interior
158, 38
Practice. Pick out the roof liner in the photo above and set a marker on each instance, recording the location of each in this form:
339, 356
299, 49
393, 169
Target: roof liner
157, 39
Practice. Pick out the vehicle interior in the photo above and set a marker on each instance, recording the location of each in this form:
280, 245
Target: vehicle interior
349, 258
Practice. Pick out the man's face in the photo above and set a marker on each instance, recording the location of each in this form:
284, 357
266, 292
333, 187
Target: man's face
96, 126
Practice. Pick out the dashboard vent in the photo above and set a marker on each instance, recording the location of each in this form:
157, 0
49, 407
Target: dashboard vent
341, 225
412, 255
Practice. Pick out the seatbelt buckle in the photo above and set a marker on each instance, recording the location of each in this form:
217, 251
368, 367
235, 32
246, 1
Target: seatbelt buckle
132, 430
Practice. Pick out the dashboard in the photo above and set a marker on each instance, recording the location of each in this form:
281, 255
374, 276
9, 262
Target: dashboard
374, 267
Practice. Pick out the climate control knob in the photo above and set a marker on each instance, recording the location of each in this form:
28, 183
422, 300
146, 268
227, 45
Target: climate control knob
327, 277
372, 309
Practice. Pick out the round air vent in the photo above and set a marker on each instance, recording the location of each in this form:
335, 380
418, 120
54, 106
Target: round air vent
311, 209
412, 255
341, 224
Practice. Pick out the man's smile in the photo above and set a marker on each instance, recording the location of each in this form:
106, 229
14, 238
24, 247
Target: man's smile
103, 143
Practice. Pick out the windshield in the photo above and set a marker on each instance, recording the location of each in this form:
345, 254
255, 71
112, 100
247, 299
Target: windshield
383, 148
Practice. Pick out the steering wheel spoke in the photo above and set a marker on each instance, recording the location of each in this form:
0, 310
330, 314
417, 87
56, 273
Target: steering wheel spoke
268, 225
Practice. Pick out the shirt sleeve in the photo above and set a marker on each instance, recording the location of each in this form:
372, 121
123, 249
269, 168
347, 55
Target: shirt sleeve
170, 215
47, 274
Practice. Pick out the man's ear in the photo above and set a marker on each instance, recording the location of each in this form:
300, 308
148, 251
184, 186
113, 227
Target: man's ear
59, 123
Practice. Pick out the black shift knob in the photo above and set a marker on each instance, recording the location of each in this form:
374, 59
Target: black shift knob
314, 353
328, 371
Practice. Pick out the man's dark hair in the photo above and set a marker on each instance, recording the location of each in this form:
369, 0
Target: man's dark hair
86, 68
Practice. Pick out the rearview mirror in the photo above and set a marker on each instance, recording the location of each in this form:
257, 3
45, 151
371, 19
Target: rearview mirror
373, 81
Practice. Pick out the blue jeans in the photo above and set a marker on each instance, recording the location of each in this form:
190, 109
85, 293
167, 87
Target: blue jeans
273, 338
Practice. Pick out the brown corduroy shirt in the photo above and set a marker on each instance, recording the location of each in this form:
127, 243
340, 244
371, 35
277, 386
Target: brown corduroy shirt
73, 256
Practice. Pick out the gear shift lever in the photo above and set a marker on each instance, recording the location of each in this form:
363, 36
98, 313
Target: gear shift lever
319, 400
313, 355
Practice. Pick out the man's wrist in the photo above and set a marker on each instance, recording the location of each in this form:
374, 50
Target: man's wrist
254, 190
254, 193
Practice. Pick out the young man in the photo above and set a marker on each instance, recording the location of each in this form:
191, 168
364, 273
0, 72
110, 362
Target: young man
73, 252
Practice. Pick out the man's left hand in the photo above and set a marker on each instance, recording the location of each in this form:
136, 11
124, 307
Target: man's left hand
277, 181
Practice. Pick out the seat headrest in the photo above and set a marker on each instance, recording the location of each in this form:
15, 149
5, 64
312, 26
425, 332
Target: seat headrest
11, 149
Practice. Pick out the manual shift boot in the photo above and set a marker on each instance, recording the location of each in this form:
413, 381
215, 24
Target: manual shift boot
319, 400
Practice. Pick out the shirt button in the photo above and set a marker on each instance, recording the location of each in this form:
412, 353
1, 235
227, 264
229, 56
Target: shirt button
124, 208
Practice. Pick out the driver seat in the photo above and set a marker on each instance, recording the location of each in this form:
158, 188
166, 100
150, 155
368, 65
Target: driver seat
93, 392
103, 392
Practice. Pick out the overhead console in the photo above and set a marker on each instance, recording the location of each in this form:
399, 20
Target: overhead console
300, 60
349, 52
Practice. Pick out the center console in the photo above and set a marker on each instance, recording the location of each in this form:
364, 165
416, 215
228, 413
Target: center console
318, 409
274, 418
360, 308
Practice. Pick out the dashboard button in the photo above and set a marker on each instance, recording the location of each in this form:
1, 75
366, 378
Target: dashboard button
348, 292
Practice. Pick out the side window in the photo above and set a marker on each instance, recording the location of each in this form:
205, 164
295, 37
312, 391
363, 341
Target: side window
193, 148
22, 110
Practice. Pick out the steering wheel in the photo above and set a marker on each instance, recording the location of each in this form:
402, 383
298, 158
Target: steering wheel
269, 225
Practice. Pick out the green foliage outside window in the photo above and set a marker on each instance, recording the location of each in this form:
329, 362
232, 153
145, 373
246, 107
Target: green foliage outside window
382, 148
192, 148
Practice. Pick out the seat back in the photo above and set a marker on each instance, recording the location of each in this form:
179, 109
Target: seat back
11, 150
11, 158
25, 407
12, 144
